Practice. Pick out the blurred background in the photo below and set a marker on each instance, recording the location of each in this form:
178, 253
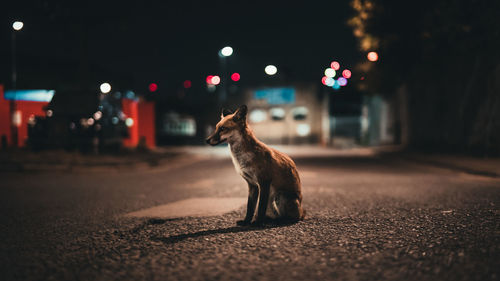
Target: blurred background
104, 76
390, 109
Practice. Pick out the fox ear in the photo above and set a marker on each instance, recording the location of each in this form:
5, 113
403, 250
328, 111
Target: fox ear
241, 113
225, 112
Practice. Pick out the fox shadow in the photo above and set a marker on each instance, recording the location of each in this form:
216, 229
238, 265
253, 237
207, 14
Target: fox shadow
233, 229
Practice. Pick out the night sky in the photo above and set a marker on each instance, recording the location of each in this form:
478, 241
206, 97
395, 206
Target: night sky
133, 43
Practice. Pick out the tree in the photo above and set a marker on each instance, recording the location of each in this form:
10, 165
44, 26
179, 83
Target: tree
445, 53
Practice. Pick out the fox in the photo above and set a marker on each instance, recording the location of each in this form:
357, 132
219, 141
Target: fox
272, 177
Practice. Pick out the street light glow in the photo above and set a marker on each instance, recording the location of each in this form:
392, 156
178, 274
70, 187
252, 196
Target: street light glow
153, 87
336, 85
97, 115
129, 122
342, 81
323, 80
226, 51
346, 73
329, 81
215, 80
271, 69
105, 88
235, 76
330, 72
335, 65
372, 56
18, 25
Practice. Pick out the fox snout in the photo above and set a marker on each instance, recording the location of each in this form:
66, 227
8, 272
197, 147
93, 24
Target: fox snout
213, 139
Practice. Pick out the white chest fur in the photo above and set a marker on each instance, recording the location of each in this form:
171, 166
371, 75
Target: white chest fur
235, 162
246, 171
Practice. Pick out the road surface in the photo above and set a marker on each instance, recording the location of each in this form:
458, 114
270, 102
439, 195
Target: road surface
369, 217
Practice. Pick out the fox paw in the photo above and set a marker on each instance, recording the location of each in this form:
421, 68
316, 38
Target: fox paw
243, 222
257, 223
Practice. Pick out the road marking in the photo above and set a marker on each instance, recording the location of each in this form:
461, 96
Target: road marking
193, 207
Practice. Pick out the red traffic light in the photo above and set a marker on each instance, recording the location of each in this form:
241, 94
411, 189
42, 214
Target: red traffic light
235, 76
153, 87
346, 73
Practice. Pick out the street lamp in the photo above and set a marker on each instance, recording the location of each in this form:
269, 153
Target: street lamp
105, 88
271, 69
16, 26
223, 54
372, 56
226, 51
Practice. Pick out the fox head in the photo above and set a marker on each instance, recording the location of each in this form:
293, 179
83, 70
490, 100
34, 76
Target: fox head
229, 126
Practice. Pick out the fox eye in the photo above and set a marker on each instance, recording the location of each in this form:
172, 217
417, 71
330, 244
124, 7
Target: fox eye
222, 128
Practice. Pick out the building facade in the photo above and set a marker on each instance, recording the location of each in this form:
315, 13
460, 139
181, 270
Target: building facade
287, 115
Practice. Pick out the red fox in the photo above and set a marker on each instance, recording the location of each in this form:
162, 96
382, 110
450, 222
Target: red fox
272, 177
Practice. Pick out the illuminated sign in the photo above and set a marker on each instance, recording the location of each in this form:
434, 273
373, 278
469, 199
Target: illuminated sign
276, 95
29, 95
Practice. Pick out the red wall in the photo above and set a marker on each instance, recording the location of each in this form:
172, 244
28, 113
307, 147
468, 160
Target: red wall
143, 114
27, 109
4, 117
129, 107
147, 122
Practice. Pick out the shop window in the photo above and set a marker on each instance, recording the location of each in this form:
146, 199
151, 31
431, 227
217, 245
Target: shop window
257, 116
299, 113
277, 113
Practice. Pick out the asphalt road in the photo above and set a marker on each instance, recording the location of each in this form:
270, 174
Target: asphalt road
369, 217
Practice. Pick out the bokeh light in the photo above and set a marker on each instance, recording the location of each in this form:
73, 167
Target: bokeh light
303, 130
215, 80
271, 69
129, 122
187, 84
336, 85
17, 25
372, 56
226, 51
105, 88
335, 65
342, 81
235, 76
153, 87
346, 73
330, 72
323, 80
97, 115
257, 116
330, 81
209, 79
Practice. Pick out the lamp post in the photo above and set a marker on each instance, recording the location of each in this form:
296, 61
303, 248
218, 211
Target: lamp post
105, 88
270, 70
223, 54
16, 26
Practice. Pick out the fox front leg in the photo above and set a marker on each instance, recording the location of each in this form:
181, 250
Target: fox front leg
253, 195
264, 189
